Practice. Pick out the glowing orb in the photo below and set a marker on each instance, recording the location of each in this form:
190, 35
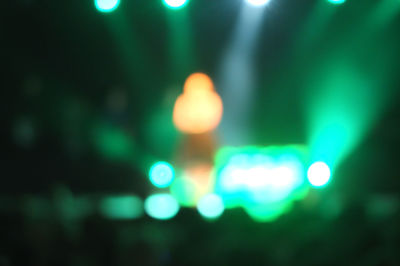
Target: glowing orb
319, 174
199, 109
161, 174
161, 206
210, 206
106, 5
175, 3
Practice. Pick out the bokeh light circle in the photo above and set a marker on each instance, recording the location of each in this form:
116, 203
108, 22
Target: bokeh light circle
175, 3
106, 5
161, 206
161, 174
318, 174
210, 206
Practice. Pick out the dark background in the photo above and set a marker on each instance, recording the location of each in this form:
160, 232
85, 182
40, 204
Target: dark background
62, 70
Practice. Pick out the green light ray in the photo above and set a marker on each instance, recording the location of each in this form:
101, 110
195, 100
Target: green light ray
384, 13
135, 56
314, 26
180, 43
349, 87
343, 105
112, 142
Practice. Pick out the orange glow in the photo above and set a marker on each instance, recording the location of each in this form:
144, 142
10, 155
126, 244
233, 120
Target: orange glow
196, 180
201, 176
198, 81
199, 109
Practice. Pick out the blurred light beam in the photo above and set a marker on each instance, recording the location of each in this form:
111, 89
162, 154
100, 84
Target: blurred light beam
237, 76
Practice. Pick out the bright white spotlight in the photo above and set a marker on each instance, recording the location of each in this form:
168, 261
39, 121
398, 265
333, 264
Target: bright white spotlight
175, 3
319, 174
258, 2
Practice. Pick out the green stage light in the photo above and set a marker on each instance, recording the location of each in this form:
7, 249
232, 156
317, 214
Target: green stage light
184, 190
318, 174
161, 206
175, 4
106, 5
161, 174
336, 2
112, 142
264, 181
210, 206
122, 207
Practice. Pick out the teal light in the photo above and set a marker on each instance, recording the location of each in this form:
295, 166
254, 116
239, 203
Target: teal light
161, 174
175, 4
319, 174
210, 206
263, 180
122, 207
161, 206
106, 5
113, 143
336, 2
